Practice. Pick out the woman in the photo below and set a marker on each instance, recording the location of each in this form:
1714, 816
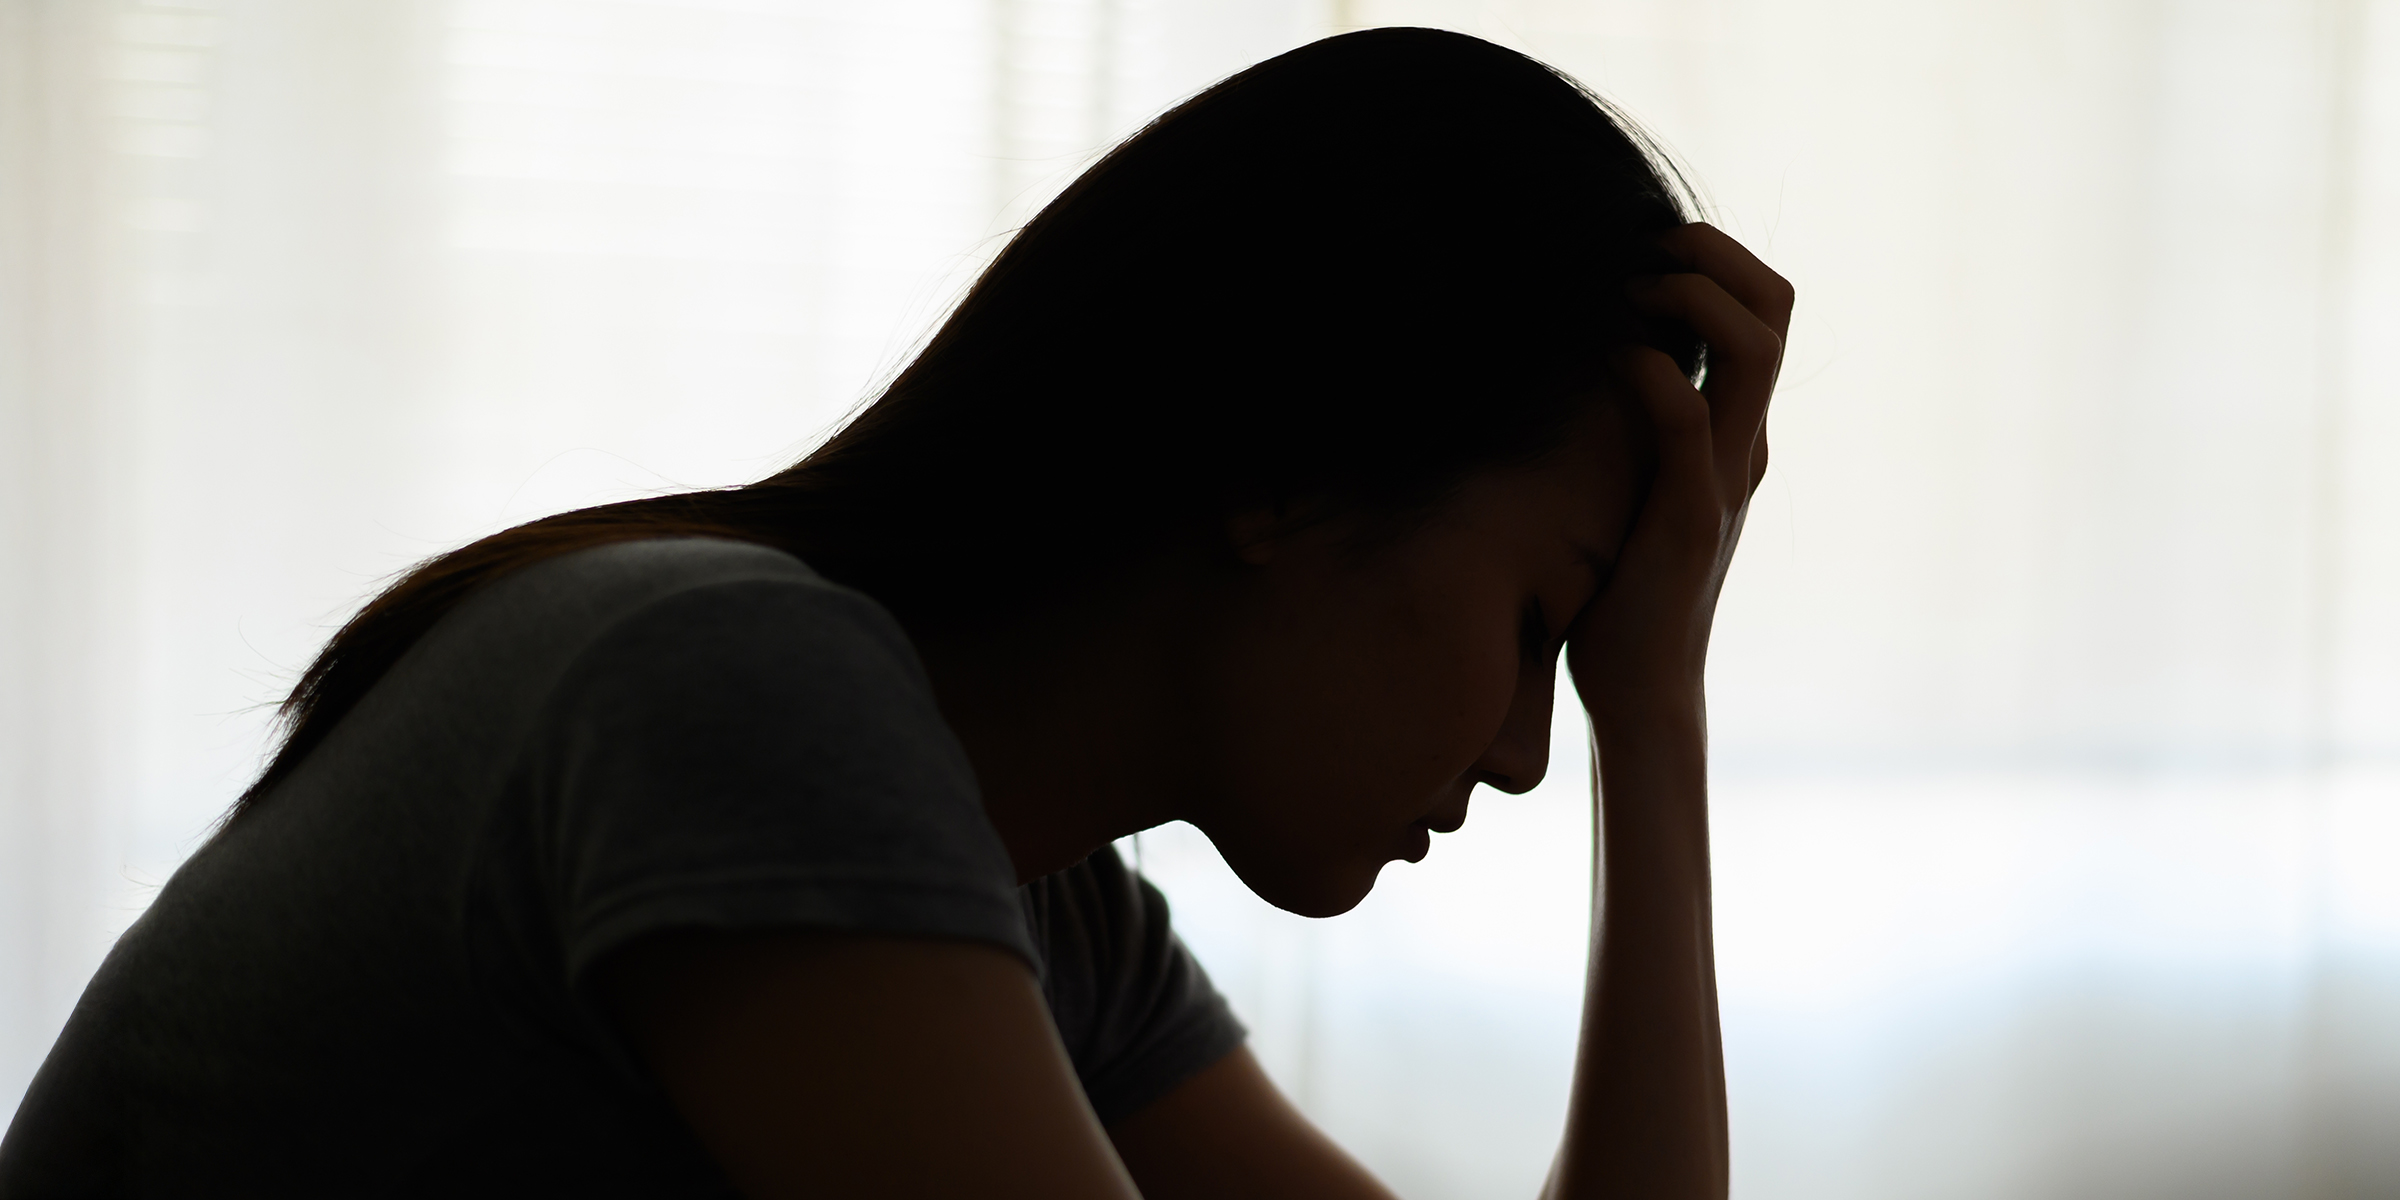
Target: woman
758, 840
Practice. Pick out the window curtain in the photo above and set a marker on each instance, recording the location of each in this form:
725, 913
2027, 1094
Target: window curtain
2056, 696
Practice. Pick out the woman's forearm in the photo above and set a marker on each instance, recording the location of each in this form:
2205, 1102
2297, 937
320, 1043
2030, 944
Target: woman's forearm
1647, 1115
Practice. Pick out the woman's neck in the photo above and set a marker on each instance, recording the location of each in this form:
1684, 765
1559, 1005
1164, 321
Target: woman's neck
1068, 715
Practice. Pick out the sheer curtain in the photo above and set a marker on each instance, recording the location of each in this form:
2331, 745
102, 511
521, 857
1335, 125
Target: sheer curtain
2057, 696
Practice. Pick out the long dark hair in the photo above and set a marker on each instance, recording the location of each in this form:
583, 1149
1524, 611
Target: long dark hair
1355, 272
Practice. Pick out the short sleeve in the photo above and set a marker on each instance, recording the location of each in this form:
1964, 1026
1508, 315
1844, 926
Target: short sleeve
754, 754
1135, 1010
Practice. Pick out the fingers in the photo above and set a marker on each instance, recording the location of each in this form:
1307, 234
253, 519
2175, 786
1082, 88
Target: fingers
1680, 418
1707, 250
1744, 355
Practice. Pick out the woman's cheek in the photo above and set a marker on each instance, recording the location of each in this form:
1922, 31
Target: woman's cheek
1484, 666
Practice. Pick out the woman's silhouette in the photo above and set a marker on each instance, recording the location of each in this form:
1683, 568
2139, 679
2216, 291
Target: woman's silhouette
758, 839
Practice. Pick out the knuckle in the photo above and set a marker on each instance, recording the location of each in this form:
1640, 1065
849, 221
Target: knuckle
1752, 339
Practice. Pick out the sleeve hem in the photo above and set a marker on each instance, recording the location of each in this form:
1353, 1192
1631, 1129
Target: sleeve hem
822, 900
1193, 1050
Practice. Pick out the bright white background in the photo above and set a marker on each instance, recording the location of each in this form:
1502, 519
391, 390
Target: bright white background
2057, 695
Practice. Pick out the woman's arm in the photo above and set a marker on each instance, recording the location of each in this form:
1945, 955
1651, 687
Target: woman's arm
1647, 1115
834, 1065
1229, 1132
821, 1064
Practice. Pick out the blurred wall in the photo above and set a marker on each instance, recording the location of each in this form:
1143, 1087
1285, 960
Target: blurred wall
2057, 695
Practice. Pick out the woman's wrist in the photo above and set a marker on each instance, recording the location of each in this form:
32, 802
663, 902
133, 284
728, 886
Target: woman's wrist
1652, 759
1655, 715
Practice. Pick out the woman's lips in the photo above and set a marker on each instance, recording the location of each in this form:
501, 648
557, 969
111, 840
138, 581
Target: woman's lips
1415, 842
1449, 817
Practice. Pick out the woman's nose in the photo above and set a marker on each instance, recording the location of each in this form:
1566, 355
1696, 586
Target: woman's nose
1519, 755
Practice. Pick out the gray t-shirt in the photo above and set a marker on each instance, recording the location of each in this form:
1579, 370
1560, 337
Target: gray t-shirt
378, 981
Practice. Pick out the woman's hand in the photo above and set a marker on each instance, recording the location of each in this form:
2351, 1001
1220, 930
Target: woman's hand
1638, 650
1647, 1116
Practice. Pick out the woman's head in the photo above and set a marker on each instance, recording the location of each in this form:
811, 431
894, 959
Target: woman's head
1353, 273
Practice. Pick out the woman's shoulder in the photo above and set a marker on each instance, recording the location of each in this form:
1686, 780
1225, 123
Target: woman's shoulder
572, 602
627, 624
642, 571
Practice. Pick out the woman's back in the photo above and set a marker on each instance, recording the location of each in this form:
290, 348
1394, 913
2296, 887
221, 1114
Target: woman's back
379, 982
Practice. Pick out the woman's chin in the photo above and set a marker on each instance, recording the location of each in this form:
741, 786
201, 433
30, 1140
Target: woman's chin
1308, 877
1328, 892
